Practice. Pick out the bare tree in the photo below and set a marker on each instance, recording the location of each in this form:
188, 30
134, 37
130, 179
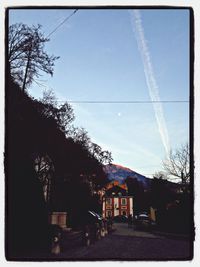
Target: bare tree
45, 171
177, 165
26, 55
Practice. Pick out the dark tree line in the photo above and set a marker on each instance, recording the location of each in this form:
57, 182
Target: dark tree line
171, 202
136, 189
173, 206
46, 169
50, 165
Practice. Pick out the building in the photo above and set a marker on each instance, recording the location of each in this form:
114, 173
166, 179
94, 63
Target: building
116, 200
116, 183
117, 205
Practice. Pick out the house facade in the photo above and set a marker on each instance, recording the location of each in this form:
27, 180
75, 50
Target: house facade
116, 200
117, 205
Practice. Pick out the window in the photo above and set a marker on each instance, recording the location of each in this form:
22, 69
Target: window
109, 213
123, 201
108, 201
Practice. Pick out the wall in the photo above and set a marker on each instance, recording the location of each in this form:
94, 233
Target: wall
59, 218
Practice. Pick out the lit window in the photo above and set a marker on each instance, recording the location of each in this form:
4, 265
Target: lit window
108, 201
124, 201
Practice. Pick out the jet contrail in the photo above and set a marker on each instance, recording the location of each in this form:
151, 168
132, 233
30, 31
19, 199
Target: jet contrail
150, 77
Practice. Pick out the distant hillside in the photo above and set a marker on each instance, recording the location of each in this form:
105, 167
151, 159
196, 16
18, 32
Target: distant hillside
120, 173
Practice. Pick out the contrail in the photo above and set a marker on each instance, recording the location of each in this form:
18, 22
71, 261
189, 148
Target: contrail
136, 22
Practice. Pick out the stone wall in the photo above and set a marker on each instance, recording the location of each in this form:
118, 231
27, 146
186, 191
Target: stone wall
59, 218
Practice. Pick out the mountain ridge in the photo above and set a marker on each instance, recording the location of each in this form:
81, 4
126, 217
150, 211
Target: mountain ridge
120, 173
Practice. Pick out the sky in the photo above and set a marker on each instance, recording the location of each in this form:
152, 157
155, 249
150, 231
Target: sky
121, 55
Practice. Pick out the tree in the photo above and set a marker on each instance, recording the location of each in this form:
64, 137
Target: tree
160, 175
177, 164
45, 171
135, 189
63, 114
104, 157
26, 55
80, 136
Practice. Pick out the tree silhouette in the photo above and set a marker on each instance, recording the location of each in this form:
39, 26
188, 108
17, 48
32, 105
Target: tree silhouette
177, 165
45, 169
26, 54
160, 175
63, 114
136, 190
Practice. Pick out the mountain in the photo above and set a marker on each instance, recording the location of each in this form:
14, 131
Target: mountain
120, 173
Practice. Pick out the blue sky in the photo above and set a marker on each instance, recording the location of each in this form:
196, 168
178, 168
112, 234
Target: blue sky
100, 60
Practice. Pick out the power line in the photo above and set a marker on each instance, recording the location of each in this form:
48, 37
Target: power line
108, 102
66, 19
122, 102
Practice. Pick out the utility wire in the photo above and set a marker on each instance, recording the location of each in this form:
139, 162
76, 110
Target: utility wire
108, 102
123, 102
66, 19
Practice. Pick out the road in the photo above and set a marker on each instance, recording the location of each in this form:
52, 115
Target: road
128, 244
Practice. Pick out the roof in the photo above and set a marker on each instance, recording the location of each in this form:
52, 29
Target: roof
118, 196
116, 190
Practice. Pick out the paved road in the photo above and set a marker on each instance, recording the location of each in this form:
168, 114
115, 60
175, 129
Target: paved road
127, 244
